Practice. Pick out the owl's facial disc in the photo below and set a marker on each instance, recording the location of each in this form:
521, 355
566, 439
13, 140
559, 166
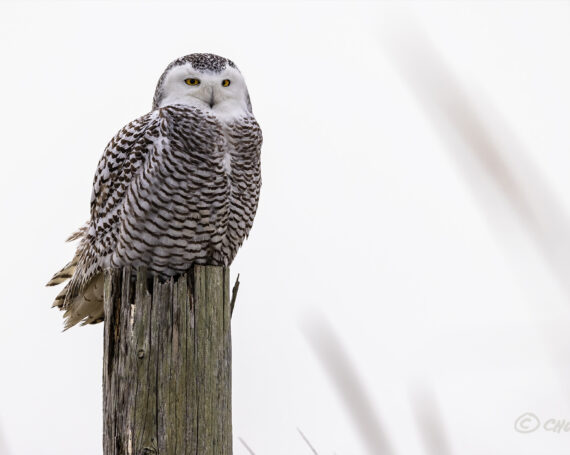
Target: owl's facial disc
224, 93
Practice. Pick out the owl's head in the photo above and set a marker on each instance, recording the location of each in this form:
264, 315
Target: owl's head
207, 81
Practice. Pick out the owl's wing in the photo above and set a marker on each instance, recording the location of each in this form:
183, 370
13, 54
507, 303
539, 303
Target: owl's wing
123, 158
126, 153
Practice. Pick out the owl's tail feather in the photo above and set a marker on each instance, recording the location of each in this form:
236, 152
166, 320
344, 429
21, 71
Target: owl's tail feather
82, 297
87, 306
80, 233
67, 272
64, 274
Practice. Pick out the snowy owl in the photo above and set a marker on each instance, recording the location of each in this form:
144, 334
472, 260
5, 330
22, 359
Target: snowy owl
175, 187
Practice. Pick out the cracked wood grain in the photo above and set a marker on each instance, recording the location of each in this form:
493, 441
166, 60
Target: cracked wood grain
167, 363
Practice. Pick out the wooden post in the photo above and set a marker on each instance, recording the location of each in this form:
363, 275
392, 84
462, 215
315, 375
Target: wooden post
167, 364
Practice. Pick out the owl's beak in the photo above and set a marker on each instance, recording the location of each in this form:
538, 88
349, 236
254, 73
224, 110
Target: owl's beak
211, 102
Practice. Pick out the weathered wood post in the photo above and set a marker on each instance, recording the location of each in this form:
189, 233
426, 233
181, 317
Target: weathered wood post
167, 363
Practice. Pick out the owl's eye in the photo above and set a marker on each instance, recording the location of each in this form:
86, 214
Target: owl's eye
192, 81
225, 83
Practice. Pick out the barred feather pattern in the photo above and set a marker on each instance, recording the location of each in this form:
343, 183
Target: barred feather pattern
176, 187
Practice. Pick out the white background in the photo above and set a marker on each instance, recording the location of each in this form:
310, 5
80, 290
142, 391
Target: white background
366, 218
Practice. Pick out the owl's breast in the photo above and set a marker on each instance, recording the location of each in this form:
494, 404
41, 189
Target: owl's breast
244, 144
194, 200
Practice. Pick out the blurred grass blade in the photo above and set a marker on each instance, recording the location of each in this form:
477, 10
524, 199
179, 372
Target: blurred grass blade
246, 446
3, 447
430, 423
307, 441
342, 374
503, 170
